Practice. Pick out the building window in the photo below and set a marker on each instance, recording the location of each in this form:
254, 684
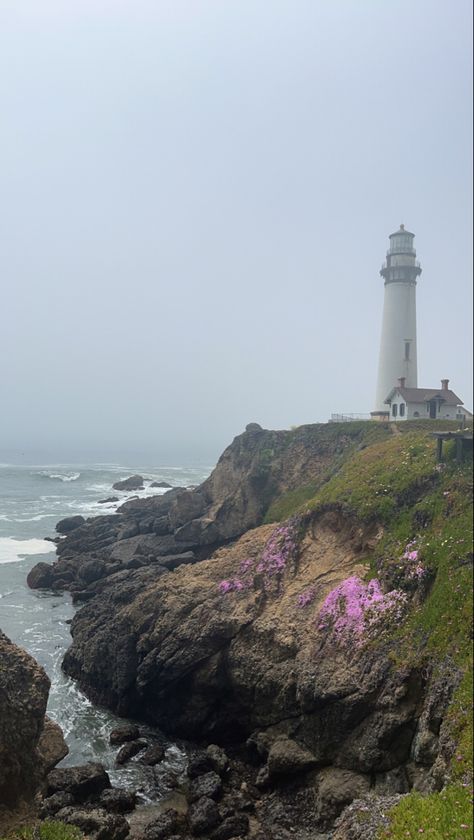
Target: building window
416, 414
402, 409
407, 350
394, 410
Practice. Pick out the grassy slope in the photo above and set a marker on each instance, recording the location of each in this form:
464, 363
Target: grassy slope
397, 482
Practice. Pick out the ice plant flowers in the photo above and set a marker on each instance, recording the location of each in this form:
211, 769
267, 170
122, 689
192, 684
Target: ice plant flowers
354, 608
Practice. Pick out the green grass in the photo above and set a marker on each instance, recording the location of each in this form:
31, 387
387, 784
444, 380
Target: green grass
439, 816
47, 830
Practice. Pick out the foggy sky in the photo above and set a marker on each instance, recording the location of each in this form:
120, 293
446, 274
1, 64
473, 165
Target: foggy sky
196, 198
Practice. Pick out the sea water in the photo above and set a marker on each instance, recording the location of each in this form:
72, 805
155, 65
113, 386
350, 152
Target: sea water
32, 500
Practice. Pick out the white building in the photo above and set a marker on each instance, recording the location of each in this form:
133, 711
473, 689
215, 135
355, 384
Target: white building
398, 353
404, 403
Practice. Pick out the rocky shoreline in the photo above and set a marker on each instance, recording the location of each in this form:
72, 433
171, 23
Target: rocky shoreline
199, 619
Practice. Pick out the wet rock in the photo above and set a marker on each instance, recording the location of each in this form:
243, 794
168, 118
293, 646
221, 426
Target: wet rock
163, 484
41, 576
153, 755
108, 501
81, 782
96, 823
70, 523
286, 758
234, 826
203, 816
52, 804
208, 785
121, 734
129, 750
134, 482
92, 570
52, 746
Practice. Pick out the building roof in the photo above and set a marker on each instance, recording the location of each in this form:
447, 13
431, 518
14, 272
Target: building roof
401, 230
420, 395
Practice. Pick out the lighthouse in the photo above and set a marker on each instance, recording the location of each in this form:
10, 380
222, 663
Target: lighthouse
397, 358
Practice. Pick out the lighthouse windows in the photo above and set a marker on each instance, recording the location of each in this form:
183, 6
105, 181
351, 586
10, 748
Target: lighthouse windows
407, 350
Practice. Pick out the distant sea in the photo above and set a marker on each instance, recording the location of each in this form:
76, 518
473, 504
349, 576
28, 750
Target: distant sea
32, 500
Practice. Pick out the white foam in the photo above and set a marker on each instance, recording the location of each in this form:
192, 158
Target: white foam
12, 550
61, 476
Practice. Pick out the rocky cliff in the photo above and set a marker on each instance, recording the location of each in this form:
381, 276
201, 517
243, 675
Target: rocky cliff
316, 647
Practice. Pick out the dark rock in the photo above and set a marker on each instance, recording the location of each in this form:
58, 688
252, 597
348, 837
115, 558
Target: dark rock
81, 782
96, 823
233, 826
70, 523
41, 576
218, 759
92, 570
253, 427
118, 800
129, 750
336, 789
135, 482
108, 501
208, 785
203, 816
199, 764
174, 560
163, 484
24, 689
52, 804
286, 758
153, 755
122, 734
163, 827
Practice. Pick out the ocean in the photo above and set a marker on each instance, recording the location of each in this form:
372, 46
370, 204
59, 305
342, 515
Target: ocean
32, 500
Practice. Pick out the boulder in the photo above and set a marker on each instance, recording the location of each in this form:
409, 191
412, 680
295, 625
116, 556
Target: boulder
163, 826
208, 785
83, 781
96, 823
108, 501
92, 570
134, 482
286, 758
70, 523
203, 816
52, 746
118, 800
153, 755
52, 804
234, 826
129, 750
163, 484
121, 734
41, 576
199, 764
218, 759
336, 789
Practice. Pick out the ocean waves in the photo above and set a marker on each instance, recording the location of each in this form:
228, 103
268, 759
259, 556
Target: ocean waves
12, 550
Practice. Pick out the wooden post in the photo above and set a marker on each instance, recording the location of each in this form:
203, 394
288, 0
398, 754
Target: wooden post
459, 449
440, 449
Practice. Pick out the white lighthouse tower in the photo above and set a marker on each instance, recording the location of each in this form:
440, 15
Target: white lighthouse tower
397, 359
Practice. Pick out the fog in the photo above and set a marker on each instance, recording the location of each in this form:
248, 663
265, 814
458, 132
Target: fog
196, 198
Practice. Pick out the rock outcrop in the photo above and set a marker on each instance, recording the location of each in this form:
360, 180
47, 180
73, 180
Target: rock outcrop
189, 525
24, 689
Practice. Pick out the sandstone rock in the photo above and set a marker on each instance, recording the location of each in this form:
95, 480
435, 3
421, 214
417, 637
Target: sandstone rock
118, 800
337, 788
96, 823
286, 758
129, 750
52, 746
209, 785
134, 482
203, 816
24, 689
81, 782
70, 523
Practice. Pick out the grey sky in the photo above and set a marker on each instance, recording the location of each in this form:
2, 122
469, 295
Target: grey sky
195, 203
